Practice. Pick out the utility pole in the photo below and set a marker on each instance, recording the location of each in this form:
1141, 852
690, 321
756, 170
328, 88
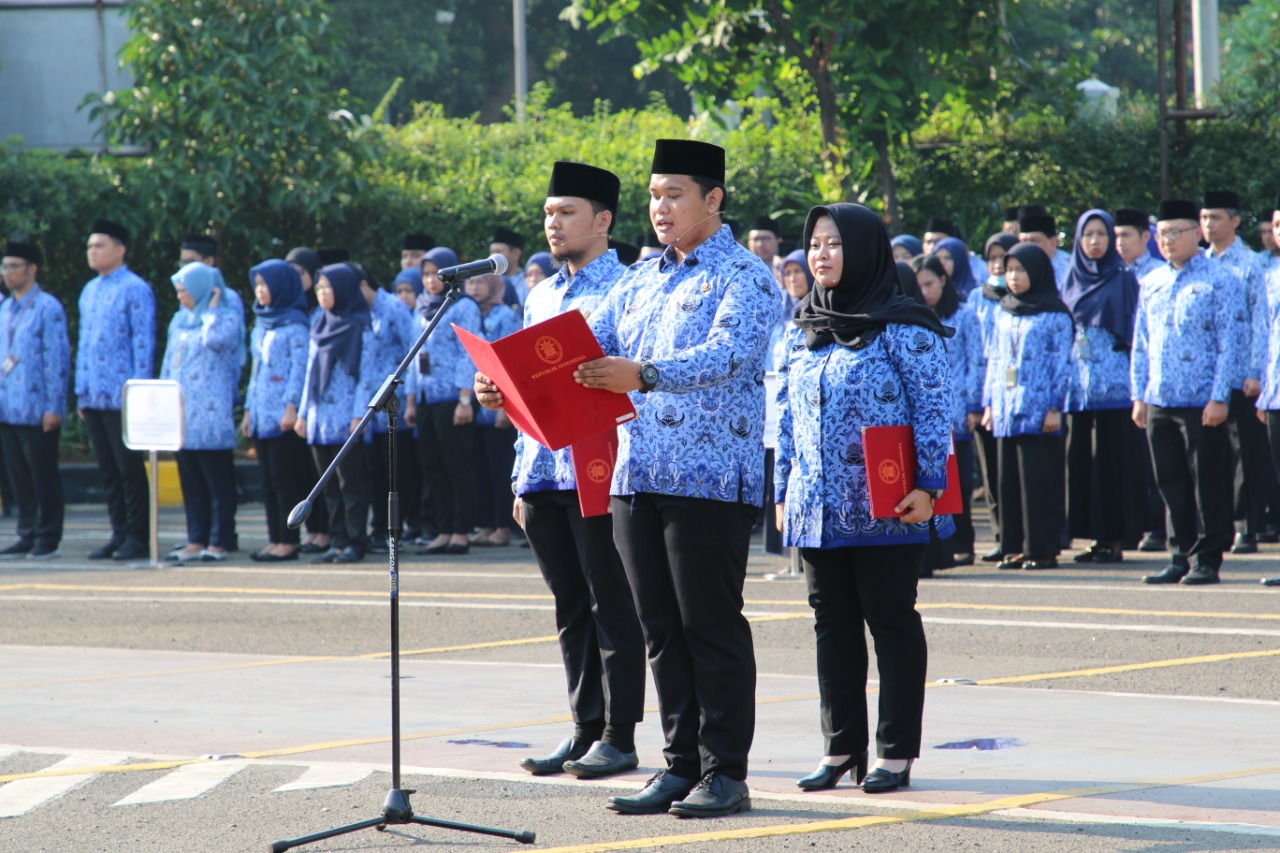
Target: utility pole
521, 57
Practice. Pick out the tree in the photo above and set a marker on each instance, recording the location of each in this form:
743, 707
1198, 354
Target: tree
871, 70
228, 105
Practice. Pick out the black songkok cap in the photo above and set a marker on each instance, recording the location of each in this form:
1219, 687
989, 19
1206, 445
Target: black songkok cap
1011, 214
688, 157
111, 229
764, 223
27, 251
419, 242
305, 258
329, 257
1214, 199
202, 243
1132, 217
1030, 222
938, 225
582, 181
1177, 208
511, 238
628, 253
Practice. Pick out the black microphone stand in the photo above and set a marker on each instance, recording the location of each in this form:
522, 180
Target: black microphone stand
397, 809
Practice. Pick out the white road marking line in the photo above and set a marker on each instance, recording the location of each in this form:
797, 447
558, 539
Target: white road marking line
185, 783
330, 775
1104, 626
1051, 816
21, 796
107, 598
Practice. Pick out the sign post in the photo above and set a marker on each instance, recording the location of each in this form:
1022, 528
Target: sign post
153, 421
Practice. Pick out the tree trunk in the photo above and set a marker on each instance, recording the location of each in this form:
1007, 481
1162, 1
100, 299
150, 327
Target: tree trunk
887, 181
829, 114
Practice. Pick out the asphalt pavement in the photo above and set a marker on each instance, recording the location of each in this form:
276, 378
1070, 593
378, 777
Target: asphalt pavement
223, 707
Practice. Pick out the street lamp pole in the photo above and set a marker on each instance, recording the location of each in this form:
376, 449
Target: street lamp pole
521, 57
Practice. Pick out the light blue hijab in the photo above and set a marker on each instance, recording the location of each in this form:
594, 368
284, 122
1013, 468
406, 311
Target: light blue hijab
200, 280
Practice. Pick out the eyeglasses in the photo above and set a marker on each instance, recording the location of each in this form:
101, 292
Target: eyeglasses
13, 266
1173, 233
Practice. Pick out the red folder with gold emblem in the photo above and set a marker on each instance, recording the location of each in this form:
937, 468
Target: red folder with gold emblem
593, 460
890, 456
533, 368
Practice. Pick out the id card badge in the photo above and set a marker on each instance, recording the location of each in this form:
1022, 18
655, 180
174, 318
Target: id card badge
1084, 351
7, 366
1011, 377
424, 363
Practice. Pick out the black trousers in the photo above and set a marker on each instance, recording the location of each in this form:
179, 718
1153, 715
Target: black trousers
346, 496
989, 468
1193, 471
124, 477
1030, 495
875, 586
1252, 463
686, 560
285, 466
600, 637
31, 459
377, 479
448, 453
962, 540
495, 456
1106, 490
208, 480
1273, 433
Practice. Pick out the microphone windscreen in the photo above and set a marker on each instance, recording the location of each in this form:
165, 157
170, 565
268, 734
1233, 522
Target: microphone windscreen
499, 263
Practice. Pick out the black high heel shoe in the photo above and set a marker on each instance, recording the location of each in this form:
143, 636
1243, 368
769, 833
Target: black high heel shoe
827, 775
879, 780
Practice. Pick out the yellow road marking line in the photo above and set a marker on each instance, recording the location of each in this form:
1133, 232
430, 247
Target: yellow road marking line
844, 824
1130, 667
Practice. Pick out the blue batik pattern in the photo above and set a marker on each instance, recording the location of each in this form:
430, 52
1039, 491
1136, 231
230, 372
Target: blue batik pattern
1240, 260
33, 330
986, 309
1100, 364
1061, 262
196, 358
538, 469
981, 272
704, 323
1038, 346
1144, 264
450, 368
968, 367
1188, 335
117, 338
1269, 399
329, 417
825, 398
279, 371
386, 340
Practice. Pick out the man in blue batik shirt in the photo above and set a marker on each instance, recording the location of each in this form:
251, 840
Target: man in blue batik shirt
685, 334
1037, 225
34, 363
1132, 234
600, 636
117, 343
1253, 473
1189, 334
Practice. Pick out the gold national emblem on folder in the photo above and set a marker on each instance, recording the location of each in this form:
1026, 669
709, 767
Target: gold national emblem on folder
548, 349
889, 471
599, 470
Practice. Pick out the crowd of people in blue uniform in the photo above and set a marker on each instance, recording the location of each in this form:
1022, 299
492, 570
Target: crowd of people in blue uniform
1125, 393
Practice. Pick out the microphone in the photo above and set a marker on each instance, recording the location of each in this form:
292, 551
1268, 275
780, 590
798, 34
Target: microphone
495, 264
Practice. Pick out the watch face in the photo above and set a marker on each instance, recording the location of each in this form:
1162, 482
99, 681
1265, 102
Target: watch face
649, 374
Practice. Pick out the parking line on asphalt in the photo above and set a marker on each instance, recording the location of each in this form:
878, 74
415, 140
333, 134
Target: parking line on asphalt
1020, 801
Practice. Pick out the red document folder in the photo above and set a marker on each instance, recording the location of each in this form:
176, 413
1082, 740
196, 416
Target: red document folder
890, 456
593, 460
533, 368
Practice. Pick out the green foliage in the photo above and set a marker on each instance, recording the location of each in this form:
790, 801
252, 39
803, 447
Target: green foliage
1250, 74
229, 106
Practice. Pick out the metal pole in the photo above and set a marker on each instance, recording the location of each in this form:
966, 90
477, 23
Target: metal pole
155, 509
522, 58
1162, 45
1204, 36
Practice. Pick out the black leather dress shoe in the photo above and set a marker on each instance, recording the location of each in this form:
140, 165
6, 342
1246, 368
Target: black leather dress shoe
105, 552
1040, 563
1013, 561
716, 795
828, 775
1201, 575
1245, 543
312, 548
995, 555
432, 550
326, 556
1108, 555
1153, 543
1171, 574
663, 789
132, 551
1269, 534
349, 554
879, 780
269, 557
1086, 556
603, 759
457, 548
570, 749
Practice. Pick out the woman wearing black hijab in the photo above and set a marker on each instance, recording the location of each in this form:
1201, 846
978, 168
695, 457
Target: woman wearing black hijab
862, 354
1028, 374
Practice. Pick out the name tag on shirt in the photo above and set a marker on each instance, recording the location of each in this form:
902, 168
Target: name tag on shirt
7, 366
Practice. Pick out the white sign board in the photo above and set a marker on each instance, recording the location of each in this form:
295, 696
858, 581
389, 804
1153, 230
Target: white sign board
153, 415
